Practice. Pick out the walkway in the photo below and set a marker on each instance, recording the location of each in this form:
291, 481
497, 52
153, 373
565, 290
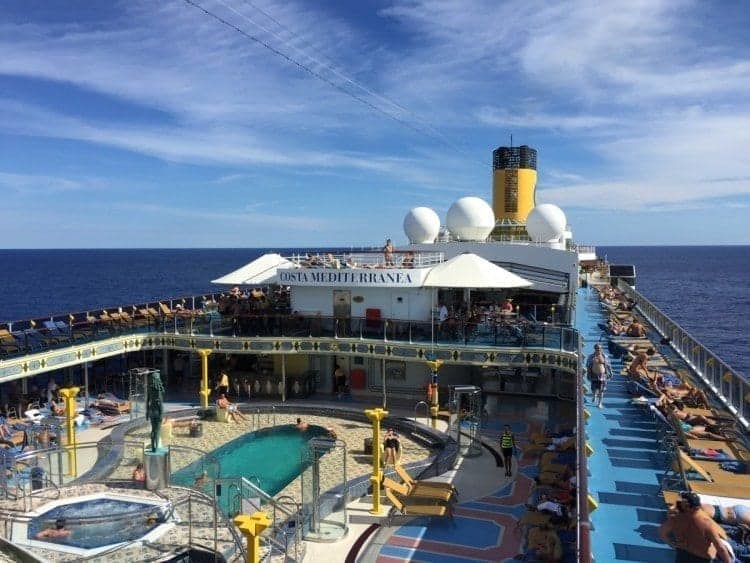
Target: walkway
624, 471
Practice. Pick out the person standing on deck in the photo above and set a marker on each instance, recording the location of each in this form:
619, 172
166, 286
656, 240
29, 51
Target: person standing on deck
222, 387
694, 536
599, 370
388, 253
507, 445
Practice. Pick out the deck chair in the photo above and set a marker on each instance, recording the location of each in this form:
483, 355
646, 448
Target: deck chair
415, 508
75, 334
54, 331
166, 311
133, 321
8, 343
414, 483
414, 493
35, 341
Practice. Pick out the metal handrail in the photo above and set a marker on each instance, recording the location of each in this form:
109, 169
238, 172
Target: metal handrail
583, 524
731, 388
426, 410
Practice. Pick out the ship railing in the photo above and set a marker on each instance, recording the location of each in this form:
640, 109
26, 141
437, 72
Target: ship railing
367, 259
513, 330
583, 523
731, 388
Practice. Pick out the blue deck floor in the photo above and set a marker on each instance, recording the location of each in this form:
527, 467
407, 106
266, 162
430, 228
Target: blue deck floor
624, 471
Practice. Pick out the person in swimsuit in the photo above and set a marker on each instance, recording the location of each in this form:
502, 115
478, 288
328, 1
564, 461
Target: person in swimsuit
391, 446
695, 537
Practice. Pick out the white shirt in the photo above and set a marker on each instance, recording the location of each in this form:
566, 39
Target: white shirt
443, 313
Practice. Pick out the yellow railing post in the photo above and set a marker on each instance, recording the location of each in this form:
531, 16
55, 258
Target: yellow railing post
205, 391
434, 365
69, 396
376, 415
252, 526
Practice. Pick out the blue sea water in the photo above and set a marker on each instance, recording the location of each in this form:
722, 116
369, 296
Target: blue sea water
704, 289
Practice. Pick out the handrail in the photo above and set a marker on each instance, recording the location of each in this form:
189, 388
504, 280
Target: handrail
426, 410
583, 525
731, 388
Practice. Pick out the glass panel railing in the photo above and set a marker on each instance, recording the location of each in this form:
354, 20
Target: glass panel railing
481, 330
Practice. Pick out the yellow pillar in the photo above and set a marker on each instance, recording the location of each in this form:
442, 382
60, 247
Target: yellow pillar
435, 365
376, 415
205, 391
69, 396
252, 526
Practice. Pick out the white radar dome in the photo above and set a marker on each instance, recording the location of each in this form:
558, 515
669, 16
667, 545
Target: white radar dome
470, 218
421, 225
546, 223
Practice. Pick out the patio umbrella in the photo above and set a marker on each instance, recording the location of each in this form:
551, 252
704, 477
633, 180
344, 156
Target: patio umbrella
258, 272
471, 271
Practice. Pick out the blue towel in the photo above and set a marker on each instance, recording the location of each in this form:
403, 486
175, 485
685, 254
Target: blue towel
734, 466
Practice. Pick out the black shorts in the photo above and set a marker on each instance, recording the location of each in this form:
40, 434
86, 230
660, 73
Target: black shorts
682, 556
597, 385
507, 452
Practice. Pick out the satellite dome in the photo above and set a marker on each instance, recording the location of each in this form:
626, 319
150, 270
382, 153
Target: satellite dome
470, 218
421, 225
546, 223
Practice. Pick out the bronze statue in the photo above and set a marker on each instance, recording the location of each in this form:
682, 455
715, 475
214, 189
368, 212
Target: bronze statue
155, 407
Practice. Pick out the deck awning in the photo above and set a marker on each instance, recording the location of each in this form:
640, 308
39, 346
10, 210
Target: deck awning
258, 272
474, 272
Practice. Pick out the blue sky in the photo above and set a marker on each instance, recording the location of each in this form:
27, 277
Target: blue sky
151, 124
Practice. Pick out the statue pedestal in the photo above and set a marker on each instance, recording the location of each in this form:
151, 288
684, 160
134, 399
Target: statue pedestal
157, 468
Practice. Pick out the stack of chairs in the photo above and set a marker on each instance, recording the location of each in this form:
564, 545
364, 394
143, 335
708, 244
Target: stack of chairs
418, 498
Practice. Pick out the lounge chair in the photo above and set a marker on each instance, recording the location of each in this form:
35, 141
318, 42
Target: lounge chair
109, 401
75, 334
166, 312
416, 492
8, 344
414, 483
415, 508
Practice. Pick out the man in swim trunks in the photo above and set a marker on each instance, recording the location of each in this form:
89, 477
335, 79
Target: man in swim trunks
694, 536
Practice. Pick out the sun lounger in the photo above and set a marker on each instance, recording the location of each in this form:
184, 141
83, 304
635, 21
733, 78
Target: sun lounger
166, 311
112, 402
416, 492
415, 508
411, 482
76, 334
8, 343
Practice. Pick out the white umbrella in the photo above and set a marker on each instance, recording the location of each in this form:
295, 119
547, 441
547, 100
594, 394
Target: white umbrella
258, 272
472, 271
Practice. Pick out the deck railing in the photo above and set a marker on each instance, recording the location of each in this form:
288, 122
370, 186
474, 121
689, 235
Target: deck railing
208, 322
731, 388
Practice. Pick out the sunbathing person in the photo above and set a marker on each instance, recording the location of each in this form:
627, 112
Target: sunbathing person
223, 403
639, 366
688, 394
738, 514
636, 330
139, 473
678, 406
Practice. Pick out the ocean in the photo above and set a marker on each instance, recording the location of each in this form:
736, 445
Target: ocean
704, 289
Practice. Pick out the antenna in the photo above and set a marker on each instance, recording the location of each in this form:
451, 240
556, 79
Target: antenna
511, 140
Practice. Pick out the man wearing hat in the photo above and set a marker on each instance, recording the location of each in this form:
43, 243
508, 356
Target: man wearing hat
694, 536
599, 370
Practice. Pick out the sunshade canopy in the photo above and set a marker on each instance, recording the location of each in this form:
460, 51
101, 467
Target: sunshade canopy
258, 272
472, 271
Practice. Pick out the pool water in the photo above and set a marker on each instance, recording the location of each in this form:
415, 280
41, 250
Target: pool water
97, 522
273, 455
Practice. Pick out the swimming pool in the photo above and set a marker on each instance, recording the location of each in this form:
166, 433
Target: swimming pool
273, 455
96, 522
